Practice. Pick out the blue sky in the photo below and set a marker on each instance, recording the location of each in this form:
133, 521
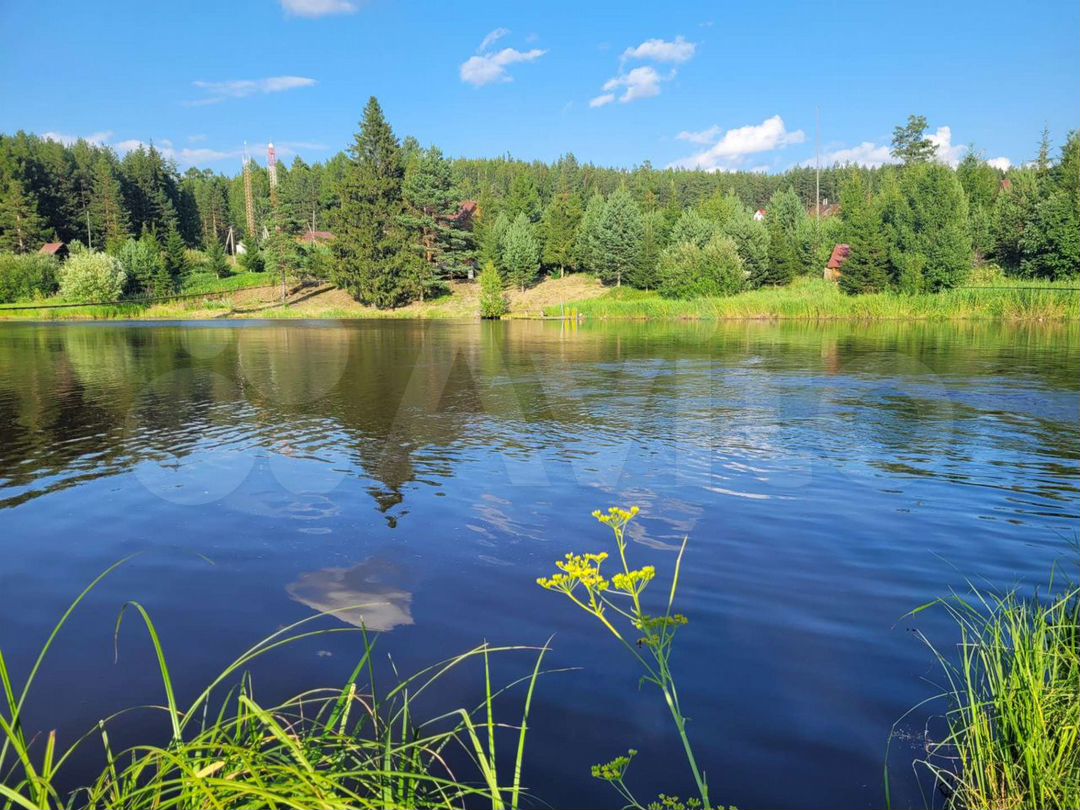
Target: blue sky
715, 85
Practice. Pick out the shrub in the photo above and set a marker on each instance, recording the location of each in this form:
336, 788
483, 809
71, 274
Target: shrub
92, 277
689, 271
142, 263
493, 303
252, 261
26, 276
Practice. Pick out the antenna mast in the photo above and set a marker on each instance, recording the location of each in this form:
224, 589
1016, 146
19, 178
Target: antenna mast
271, 165
249, 198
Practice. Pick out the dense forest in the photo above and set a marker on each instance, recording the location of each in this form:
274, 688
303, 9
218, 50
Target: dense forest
402, 227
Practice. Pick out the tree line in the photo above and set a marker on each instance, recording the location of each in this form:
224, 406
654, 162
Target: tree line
395, 210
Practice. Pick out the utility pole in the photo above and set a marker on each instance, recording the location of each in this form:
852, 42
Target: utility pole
817, 162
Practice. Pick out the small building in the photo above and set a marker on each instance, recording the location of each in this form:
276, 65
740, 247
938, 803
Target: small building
57, 249
759, 215
840, 254
465, 215
315, 238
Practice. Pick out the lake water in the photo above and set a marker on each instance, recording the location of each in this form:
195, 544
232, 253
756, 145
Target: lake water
830, 479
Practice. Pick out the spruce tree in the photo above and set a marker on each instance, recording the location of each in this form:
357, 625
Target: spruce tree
431, 201
521, 253
108, 215
524, 197
866, 268
370, 236
585, 240
559, 224
785, 213
939, 236
175, 256
217, 262
693, 228
752, 242
619, 237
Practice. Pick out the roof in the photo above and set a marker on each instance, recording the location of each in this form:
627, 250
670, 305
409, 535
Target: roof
840, 254
315, 236
466, 211
51, 248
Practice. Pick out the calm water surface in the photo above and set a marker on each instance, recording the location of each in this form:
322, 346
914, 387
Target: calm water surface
830, 479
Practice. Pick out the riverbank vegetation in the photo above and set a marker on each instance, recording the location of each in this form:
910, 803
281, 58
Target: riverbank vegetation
1012, 687
405, 220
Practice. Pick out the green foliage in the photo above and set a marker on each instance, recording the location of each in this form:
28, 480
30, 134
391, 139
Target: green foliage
27, 276
866, 269
910, 144
92, 278
1050, 243
493, 301
1012, 701
21, 227
217, 262
646, 274
370, 235
524, 198
431, 202
586, 248
142, 263
521, 253
559, 226
933, 228
689, 271
722, 208
785, 214
618, 238
316, 263
493, 241
692, 228
175, 257
752, 242
251, 260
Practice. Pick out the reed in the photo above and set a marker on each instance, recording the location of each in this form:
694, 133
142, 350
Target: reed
815, 299
351, 745
1013, 694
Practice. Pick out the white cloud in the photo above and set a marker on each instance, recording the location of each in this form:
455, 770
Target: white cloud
659, 50
644, 82
317, 8
731, 150
97, 138
240, 88
492, 38
702, 137
641, 82
196, 138
1002, 163
491, 67
867, 154
946, 152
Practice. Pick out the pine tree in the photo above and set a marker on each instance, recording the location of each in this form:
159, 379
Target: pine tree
521, 253
619, 237
559, 223
22, 229
493, 303
431, 203
108, 216
910, 143
369, 230
866, 268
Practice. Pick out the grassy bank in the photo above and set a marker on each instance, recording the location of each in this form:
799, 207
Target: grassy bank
256, 295
810, 299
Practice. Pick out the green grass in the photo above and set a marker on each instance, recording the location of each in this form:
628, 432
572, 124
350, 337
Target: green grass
1013, 690
816, 299
347, 746
210, 283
